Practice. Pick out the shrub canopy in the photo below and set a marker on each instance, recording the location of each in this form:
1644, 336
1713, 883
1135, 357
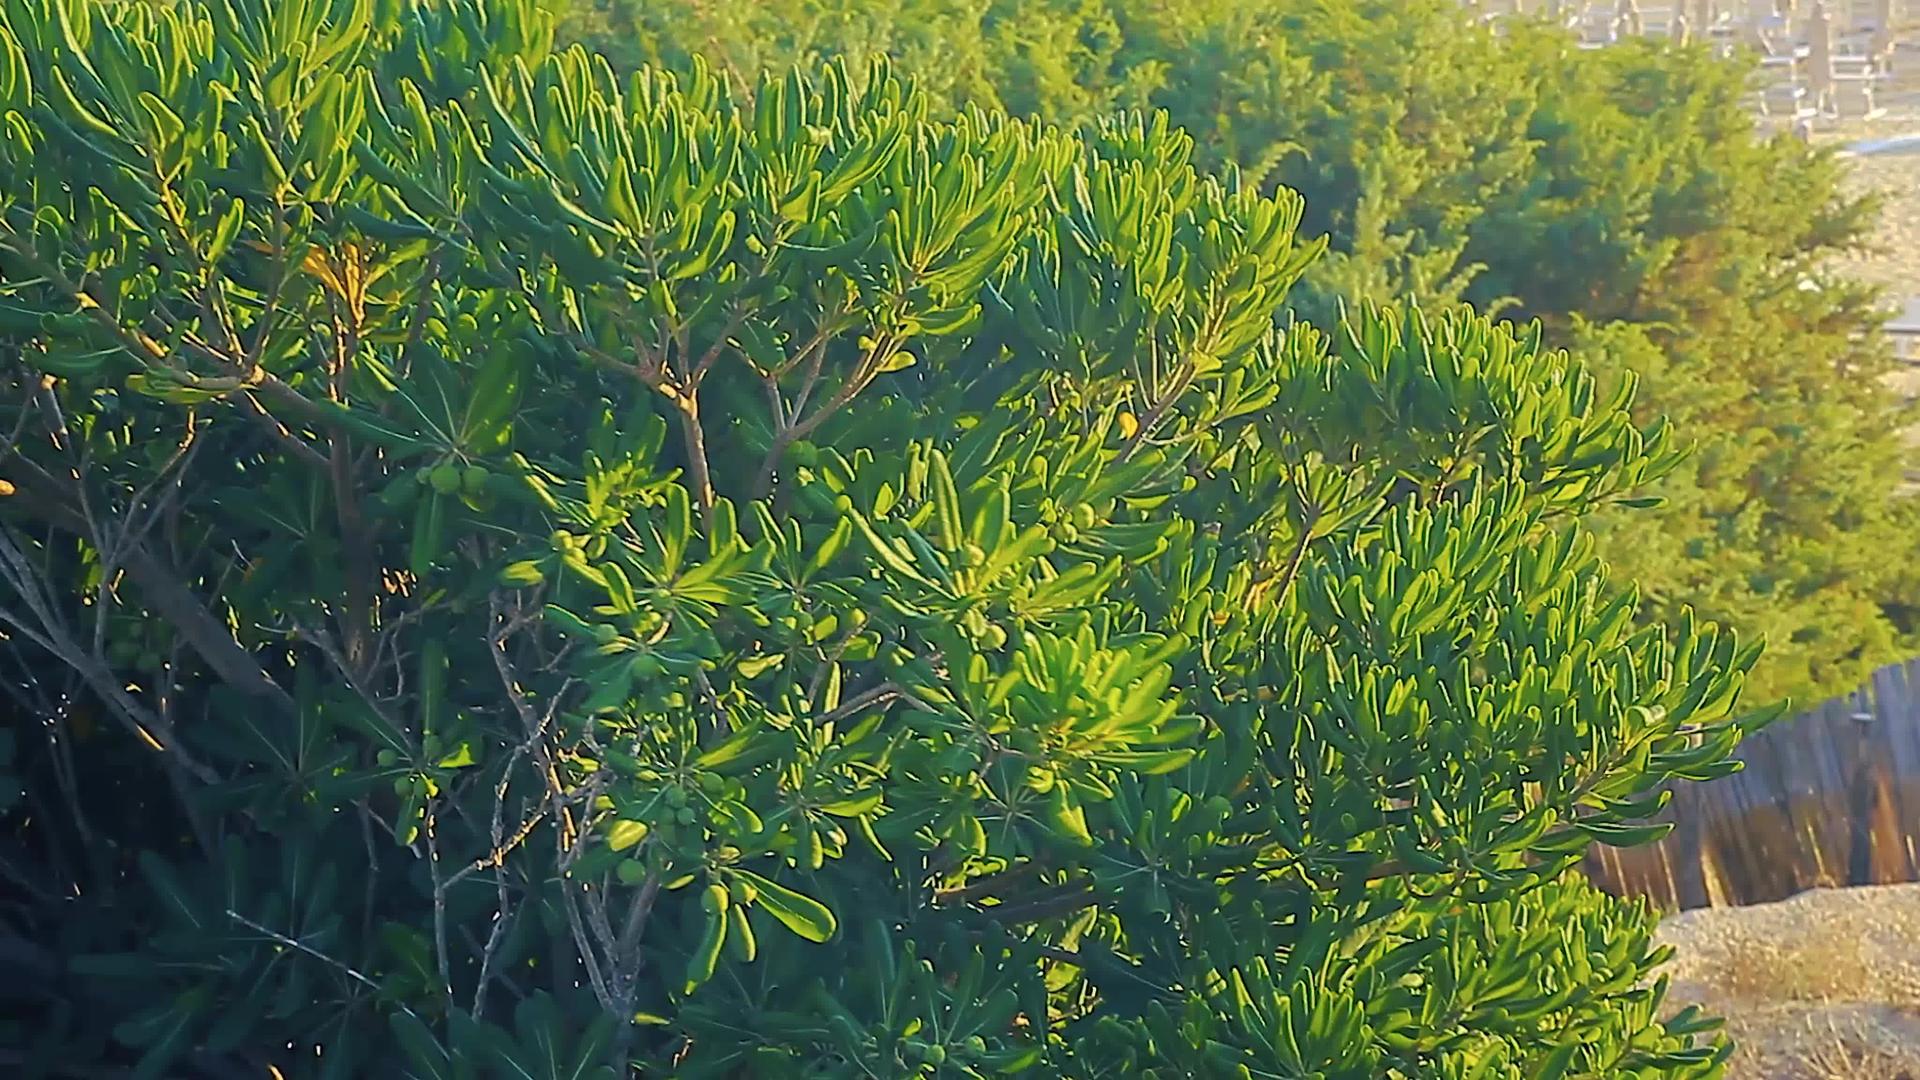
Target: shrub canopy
510, 572
1620, 195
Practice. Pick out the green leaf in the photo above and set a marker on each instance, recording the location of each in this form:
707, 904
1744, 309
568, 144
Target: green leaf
1621, 835
1558, 1062
729, 749
426, 1059
1147, 762
853, 806
803, 915
163, 880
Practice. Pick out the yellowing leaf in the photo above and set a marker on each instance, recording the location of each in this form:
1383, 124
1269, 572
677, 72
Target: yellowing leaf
459, 759
625, 834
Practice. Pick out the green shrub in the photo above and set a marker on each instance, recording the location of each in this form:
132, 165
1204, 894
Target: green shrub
512, 574
1621, 196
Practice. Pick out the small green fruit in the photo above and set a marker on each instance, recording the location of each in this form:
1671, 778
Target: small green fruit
386, 757
474, 480
605, 634
445, 479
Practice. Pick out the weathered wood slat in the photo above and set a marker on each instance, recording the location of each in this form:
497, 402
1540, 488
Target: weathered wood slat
1896, 805
1830, 797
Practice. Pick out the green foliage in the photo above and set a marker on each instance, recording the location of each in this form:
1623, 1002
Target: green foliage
514, 573
1620, 196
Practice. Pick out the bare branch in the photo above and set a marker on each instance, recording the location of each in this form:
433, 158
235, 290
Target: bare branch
47, 630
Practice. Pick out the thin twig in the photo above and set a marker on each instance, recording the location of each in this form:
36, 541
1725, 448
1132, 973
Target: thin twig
296, 943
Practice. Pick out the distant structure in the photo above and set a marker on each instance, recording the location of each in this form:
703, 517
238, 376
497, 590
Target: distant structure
1903, 331
1820, 60
1628, 21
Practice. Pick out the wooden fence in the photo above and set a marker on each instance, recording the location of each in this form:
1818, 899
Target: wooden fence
1827, 798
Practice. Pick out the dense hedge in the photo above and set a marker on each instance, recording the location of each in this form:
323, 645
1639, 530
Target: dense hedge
1621, 196
512, 573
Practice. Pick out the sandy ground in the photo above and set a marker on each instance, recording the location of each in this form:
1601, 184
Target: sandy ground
1825, 986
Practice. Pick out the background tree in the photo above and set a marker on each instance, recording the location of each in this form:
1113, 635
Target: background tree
512, 572
1621, 196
